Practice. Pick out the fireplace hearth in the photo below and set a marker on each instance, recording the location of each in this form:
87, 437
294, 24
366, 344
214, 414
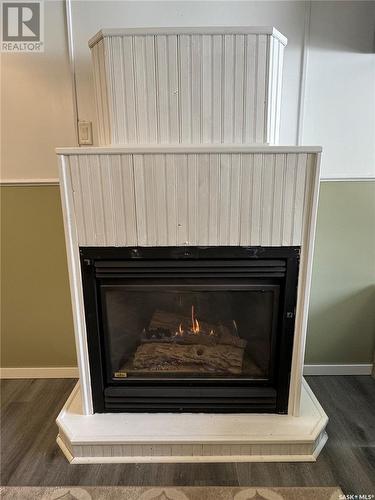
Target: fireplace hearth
206, 329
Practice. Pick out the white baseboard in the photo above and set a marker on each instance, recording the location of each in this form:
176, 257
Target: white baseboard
352, 369
72, 371
48, 372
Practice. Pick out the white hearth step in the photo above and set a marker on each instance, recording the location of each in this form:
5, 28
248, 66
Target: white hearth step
186, 437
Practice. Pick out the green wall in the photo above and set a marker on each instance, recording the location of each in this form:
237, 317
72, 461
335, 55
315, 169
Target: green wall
37, 327
341, 327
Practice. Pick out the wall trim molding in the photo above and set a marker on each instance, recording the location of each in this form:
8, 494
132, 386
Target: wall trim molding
336, 369
348, 179
40, 372
55, 181
72, 371
29, 182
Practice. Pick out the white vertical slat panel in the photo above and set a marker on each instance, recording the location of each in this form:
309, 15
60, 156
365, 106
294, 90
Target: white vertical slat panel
203, 194
129, 200
113, 124
235, 199
217, 88
289, 196
256, 199
127, 64
251, 57
246, 198
190, 198
97, 197
101, 92
161, 47
117, 91
270, 101
87, 200
188, 88
152, 90
299, 198
171, 199
278, 93
224, 198
181, 165
160, 207
196, 89
140, 199
174, 89
207, 88
228, 90
140, 74
261, 75
185, 87
238, 90
107, 167
214, 185
278, 199
150, 197
116, 184
75, 175
274, 61
267, 199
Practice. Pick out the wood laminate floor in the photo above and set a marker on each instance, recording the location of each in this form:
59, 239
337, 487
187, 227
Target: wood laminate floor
30, 456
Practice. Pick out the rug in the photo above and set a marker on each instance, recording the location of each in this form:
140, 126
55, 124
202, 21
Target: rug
177, 493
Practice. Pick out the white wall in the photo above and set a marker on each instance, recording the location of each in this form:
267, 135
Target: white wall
339, 108
36, 104
340, 87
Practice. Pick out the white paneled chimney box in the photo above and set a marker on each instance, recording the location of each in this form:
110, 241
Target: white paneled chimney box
188, 85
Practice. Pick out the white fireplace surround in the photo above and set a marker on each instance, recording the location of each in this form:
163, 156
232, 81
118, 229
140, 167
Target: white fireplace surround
191, 195
177, 110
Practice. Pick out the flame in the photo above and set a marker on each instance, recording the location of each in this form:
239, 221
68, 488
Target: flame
180, 331
195, 328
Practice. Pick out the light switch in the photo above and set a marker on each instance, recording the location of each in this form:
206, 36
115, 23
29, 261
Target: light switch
84, 133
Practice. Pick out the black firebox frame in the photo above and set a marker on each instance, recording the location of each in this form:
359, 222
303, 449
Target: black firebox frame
215, 395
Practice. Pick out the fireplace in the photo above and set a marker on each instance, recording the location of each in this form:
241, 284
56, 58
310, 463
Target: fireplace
200, 329
190, 254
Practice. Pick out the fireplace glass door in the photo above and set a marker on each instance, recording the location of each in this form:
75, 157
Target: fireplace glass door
201, 330
190, 329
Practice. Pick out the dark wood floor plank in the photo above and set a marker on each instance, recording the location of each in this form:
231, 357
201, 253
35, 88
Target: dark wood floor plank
30, 456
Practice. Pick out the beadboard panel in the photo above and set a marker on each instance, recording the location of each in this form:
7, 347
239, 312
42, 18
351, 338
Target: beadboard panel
188, 88
171, 199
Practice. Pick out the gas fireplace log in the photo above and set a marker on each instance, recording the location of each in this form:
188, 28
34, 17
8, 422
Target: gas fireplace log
189, 358
172, 321
169, 322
